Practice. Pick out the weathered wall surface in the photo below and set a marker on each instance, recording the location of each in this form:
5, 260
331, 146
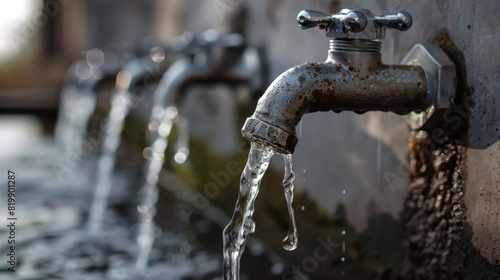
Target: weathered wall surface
366, 155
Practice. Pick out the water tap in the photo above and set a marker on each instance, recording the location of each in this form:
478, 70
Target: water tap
127, 64
211, 58
353, 78
78, 96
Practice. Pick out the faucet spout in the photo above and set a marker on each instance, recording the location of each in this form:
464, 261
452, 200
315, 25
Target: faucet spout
349, 80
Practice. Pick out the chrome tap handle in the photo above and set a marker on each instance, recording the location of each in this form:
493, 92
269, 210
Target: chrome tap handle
354, 23
309, 19
401, 21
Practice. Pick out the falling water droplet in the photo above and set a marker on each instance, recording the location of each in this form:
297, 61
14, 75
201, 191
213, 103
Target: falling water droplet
290, 242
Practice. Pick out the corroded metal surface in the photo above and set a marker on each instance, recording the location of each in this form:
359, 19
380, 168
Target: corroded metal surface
333, 85
441, 81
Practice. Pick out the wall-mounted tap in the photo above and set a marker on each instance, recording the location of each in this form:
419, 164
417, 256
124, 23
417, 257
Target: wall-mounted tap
139, 76
78, 97
139, 71
134, 60
212, 59
352, 78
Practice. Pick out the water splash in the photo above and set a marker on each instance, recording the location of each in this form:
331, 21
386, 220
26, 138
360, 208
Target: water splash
241, 223
147, 207
291, 241
120, 107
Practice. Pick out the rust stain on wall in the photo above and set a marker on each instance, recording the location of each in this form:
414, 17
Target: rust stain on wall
434, 213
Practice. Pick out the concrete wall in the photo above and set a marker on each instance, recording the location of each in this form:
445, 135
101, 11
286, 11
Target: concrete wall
366, 155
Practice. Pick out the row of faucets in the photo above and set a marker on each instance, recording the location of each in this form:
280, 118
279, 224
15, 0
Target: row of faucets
165, 72
205, 58
353, 77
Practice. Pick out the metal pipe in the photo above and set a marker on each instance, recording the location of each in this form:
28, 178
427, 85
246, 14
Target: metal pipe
351, 79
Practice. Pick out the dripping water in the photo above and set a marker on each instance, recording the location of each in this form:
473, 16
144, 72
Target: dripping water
241, 223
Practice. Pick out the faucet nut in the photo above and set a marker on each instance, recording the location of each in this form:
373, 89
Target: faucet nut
441, 81
260, 131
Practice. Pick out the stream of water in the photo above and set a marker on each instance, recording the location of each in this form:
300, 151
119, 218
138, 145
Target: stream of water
68, 105
149, 191
291, 241
75, 115
241, 223
120, 107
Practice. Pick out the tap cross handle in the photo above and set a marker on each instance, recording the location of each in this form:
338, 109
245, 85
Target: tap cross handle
354, 23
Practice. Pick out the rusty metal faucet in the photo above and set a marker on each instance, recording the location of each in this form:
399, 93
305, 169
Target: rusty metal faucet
352, 78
